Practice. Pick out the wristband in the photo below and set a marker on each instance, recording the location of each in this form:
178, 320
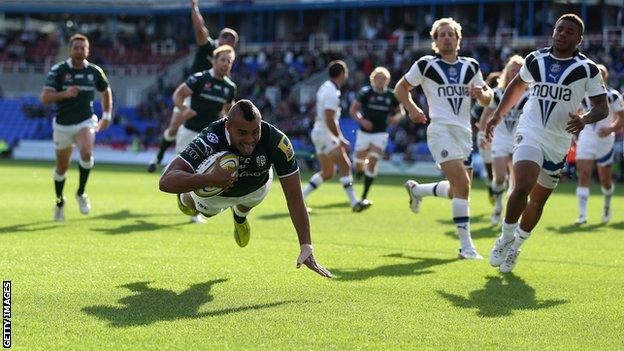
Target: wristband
106, 115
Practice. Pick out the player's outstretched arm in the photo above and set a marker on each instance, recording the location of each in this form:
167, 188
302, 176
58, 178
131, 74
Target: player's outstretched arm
201, 31
291, 185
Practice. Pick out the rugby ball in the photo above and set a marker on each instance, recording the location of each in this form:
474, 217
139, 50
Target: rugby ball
223, 159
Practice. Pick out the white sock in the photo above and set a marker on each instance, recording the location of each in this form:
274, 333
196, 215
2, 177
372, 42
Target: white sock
315, 181
347, 183
582, 193
168, 137
439, 189
520, 237
509, 230
461, 217
239, 212
87, 164
58, 177
608, 193
498, 190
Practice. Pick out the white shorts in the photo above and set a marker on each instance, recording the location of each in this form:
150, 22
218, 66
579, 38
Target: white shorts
528, 148
502, 144
187, 103
592, 147
211, 206
64, 136
449, 142
183, 138
324, 141
365, 140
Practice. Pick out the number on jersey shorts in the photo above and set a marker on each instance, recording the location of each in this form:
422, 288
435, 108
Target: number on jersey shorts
449, 142
211, 206
324, 141
502, 143
592, 147
64, 136
183, 138
530, 146
365, 140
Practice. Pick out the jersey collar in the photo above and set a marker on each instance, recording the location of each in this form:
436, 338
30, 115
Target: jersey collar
69, 63
574, 54
227, 136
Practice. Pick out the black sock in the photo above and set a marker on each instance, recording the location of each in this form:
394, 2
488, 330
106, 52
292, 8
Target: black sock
84, 175
58, 187
368, 181
164, 145
238, 218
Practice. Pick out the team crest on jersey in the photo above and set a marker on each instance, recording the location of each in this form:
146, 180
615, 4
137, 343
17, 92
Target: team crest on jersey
444, 153
286, 148
208, 85
452, 71
68, 76
261, 160
555, 67
212, 137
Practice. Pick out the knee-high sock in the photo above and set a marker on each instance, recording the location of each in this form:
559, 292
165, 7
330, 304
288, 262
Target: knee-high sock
582, 193
59, 184
461, 217
347, 184
85, 168
369, 178
439, 189
315, 181
608, 193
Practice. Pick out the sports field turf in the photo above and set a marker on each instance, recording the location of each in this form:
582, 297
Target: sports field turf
135, 275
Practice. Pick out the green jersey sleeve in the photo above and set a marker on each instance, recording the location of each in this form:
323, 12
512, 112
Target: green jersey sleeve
53, 79
195, 81
101, 83
283, 154
200, 148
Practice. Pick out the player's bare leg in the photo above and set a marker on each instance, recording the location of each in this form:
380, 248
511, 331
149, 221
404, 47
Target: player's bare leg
361, 161
500, 165
459, 181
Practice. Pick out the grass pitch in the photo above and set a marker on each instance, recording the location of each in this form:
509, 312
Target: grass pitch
135, 275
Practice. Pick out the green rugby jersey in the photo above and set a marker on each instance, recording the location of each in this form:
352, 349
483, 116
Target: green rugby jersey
377, 107
88, 79
209, 96
273, 149
202, 61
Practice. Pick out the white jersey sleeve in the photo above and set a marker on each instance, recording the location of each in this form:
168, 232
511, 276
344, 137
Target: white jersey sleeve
617, 104
414, 76
524, 73
595, 86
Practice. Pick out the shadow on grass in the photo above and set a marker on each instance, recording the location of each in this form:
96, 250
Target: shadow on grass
113, 216
315, 211
500, 296
573, 228
150, 305
416, 266
139, 226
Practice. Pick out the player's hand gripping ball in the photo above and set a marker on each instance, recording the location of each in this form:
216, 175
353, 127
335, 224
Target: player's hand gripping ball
223, 159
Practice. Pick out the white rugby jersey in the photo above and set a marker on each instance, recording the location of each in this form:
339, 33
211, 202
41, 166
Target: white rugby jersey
616, 104
446, 86
509, 120
557, 87
327, 98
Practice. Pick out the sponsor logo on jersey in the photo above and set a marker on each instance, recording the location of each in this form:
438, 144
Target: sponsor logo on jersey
455, 95
261, 160
286, 148
226, 90
212, 137
90, 77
